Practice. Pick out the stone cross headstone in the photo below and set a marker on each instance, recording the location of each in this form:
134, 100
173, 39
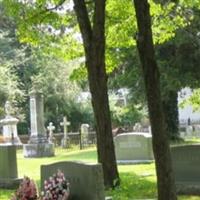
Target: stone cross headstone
86, 180
65, 141
38, 145
9, 124
51, 128
135, 147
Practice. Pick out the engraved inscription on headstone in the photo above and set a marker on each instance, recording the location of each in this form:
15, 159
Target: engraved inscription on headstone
133, 144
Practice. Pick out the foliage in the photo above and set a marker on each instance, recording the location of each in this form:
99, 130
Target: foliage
10, 57
193, 100
125, 115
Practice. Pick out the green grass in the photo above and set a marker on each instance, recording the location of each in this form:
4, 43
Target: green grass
137, 181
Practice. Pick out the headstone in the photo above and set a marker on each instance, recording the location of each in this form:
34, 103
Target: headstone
189, 132
38, 145
84, 134
8, 167
51, 128
133, 147
197, 130
186, 162
86, 180
65, 143
9, 123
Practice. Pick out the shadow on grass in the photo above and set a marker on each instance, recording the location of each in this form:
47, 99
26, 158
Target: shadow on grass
134, 187
84, 155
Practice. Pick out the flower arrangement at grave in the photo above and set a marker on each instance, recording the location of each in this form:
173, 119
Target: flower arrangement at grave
56, 188
26, 191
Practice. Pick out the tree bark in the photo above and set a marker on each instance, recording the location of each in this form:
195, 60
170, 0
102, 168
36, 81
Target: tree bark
165, 178
170, 107
94, 46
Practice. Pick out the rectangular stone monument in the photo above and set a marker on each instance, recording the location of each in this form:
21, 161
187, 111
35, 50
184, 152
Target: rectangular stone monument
133, 147
86, 180
8, 167
186, 166
38, 145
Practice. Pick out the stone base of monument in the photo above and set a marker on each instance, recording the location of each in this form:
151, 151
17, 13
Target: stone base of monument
188, 188
12, 141
10, 183
38, 150
65, 142
127, 162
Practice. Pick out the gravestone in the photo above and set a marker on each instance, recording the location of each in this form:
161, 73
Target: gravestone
186, 162
38, 145
65, 143
9, 123
133, 147
51, 128
8, 167
197, 130
86, 180
84, 134
189, 132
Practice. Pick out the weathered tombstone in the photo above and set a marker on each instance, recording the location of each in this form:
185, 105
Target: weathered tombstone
51, 128
86, 180
38, 145
186, 162
189, 132
197, 130
84, 134
9, 124
133, 147
8, 167
65, 143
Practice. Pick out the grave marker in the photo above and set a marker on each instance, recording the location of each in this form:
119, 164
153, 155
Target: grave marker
65, 141
133, 147
186, 162
86, 180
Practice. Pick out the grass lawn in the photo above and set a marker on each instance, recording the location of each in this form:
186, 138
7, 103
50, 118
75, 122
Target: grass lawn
137, 181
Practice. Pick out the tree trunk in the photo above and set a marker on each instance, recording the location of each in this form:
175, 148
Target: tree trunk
165, 178
94, 46
170, 107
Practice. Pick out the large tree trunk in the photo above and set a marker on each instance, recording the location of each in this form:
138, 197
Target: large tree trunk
165, 178
170, 107
94, 46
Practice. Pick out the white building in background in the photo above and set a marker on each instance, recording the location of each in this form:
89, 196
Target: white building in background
187, 112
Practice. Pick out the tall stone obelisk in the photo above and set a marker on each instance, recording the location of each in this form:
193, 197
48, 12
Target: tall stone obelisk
38, 145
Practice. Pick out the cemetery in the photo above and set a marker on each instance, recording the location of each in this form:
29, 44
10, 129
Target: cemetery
99, 100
